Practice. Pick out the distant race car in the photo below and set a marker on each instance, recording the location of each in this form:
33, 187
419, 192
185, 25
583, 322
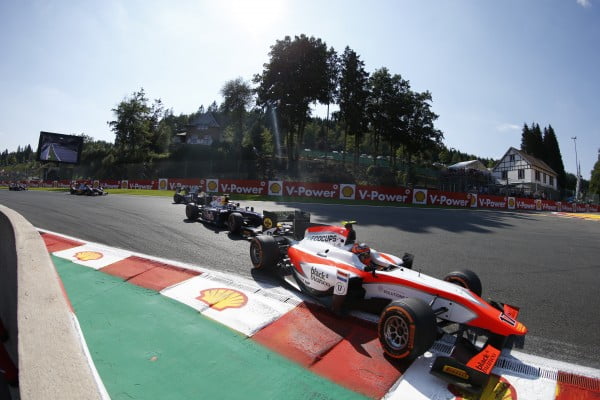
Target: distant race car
415, 309
185, 195
219, 211
17, 186
87, 190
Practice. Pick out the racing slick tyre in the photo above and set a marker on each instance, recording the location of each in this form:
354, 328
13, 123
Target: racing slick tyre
235, 222
177, 198
192, 212
467, 279
407, 328
264, 252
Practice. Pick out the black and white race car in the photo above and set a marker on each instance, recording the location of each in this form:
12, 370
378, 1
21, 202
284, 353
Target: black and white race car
219, 211
17, 186
185, 195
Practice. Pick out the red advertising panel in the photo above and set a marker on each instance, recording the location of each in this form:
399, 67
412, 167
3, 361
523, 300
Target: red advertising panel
174, 183
487, 201
314, 190
437, 198
383, 194
549, 205
525, 204
146, 184
233, 187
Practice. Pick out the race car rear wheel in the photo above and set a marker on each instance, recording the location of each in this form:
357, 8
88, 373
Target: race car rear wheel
407, 328
192, 211
177, 198
467, 279
264, 252
235, 222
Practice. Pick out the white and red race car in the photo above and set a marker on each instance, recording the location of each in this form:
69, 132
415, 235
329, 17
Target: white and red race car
416, 309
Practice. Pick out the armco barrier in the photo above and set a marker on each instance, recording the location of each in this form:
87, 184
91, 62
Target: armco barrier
44, 341
340, 191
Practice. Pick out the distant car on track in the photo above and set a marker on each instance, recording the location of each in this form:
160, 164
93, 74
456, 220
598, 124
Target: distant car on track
185, 194
219, 211
17, 186
415, 309
84, 189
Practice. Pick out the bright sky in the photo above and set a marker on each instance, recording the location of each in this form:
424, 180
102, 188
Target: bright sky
491, 66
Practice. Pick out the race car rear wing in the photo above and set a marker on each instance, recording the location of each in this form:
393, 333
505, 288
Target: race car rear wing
298, 221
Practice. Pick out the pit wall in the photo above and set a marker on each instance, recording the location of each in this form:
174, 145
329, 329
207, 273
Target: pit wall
341, 191
44, 340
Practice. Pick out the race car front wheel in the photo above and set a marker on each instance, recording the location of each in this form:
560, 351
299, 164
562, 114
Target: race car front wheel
407, 328
467, 279
264, 252
235, 222
192, 212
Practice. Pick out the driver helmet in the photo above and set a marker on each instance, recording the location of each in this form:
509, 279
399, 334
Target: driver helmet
225, 199
363, 252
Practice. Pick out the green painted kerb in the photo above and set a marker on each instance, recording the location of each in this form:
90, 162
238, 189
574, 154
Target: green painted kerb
147, 346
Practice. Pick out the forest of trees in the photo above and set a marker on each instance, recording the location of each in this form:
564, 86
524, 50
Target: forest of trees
268, 122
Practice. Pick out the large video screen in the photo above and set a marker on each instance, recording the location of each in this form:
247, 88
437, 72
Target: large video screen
59, 148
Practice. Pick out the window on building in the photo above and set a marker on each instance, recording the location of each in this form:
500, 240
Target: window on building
511, 158
521, 174
537, 175
545, 176
504, 174
551, 181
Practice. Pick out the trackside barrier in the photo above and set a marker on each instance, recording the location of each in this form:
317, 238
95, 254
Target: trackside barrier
43, 336
341, 191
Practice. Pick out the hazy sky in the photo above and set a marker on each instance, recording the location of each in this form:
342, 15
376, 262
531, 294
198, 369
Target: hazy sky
491, 66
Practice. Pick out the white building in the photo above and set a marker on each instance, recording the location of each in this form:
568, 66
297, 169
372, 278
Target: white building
521, 170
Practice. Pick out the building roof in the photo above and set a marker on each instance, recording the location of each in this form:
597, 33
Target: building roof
206, 120
472, 164
536, 162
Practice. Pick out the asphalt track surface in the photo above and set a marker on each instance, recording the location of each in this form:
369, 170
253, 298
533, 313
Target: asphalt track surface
547, 265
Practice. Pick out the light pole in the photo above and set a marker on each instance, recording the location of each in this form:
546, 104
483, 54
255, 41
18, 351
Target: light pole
576, 169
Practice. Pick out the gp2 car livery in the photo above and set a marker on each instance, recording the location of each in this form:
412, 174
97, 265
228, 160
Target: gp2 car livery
415, 309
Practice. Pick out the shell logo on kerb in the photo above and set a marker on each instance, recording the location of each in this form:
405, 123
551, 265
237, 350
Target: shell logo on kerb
222, 298
88, 255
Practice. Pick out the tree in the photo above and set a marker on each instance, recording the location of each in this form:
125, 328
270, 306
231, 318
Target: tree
553, 156
297, 74
237, 96
422, 133
532, 141
353, 94
595, 180
140, 136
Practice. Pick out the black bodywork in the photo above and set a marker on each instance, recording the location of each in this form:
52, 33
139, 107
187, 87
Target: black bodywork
87, 190
185, 195
240, 220
17, 186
